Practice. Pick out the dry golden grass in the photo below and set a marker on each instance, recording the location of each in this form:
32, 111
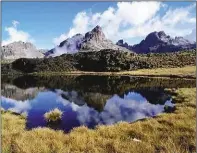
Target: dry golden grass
53, 115
179, 71
187, 72
12, 127
167, 133
2, 110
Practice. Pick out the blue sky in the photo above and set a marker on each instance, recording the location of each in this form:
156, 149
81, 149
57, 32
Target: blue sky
48, 23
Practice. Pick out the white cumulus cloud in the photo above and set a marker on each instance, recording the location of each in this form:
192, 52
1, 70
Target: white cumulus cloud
15, 23
192, 35
134, 19
80, 25
16, 35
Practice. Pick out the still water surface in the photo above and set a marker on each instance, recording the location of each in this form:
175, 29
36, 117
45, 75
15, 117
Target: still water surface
87, 100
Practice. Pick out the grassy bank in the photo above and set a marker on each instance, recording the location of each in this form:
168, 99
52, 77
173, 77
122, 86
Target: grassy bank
183, 72
187, 71
167, 133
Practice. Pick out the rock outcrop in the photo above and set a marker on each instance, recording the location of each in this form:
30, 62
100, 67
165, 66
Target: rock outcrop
124, 44
20, 49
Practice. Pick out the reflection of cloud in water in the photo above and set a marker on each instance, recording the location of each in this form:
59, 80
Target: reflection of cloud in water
129, 108
71, 96
169, 103
14, 105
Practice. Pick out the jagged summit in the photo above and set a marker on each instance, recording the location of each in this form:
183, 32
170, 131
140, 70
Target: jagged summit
157, 37
96, 34
159, 42
97, 29
20, 49
123, 44
93, 40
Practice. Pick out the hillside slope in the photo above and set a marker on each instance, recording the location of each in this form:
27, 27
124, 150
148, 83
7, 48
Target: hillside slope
102, 61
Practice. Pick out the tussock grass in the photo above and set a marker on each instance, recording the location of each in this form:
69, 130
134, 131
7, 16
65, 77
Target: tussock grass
24, 115
2, 110
166, 133
12, 127
53, 115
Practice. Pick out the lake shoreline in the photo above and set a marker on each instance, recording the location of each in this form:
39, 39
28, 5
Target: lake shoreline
188, 72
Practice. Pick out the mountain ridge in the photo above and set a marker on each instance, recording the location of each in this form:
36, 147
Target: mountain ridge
93, 40
159, 42
20, 49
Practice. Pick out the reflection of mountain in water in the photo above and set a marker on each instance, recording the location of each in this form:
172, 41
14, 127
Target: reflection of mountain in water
91, 90
98, 84
16, 93
154, 95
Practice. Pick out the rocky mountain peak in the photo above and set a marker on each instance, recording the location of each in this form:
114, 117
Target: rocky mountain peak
123, 44
93, 40
20, 49
157, 37
96, 34
120, 42
161, 34
97, 28
159, 42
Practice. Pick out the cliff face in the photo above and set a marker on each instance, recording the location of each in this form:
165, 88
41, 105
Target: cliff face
159, 42
20, 49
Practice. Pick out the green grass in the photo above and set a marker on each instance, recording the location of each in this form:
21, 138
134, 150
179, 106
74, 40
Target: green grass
167, 133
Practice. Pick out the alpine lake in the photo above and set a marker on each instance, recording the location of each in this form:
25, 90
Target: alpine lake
88, 100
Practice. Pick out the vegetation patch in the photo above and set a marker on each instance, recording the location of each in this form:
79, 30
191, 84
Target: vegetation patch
54, 115
102, 61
